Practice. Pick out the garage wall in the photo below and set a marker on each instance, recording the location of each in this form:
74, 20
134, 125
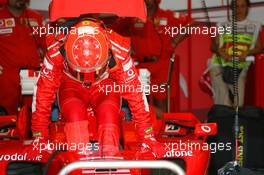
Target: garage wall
40, 4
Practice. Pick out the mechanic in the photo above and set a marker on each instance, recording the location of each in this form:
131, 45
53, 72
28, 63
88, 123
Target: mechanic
18, 49
82, 66
221, 66
152, 47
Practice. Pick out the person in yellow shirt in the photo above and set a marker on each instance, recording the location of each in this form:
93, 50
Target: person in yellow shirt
221, 66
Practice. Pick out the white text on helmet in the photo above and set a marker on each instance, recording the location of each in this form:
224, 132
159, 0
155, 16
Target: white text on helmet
88, 30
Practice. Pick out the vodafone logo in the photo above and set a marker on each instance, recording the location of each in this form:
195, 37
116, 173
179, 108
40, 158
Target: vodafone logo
46, 73
130, 75
206, 129
130, 72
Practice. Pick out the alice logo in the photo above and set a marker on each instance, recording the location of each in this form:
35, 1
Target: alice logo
241, 145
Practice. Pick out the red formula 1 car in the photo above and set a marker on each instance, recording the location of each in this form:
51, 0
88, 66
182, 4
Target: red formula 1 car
183, 136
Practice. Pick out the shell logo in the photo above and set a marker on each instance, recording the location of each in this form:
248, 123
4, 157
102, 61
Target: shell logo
85, 22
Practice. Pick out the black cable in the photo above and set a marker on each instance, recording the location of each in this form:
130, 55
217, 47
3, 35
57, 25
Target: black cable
235, 62
204, 6
228, 9
235, 59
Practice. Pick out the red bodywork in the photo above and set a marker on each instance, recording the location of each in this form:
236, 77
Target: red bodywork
3, 2
174, 129
75, 8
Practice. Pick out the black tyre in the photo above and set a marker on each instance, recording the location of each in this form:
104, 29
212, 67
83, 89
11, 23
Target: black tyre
179, 162
24, 168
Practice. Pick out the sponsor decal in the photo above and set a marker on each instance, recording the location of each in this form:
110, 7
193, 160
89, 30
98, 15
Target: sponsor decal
6, 31
172, 128
156, 21
139, 25
33, 23
163, 22
206, 129
9, 22
130, 75
241, 138
46, 73
148, 130
128, 65
176, 15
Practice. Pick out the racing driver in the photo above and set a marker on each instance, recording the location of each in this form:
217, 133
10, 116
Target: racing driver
80, 65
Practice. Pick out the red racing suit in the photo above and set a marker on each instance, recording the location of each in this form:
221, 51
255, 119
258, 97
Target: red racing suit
18, 49
54, 75
150, 40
